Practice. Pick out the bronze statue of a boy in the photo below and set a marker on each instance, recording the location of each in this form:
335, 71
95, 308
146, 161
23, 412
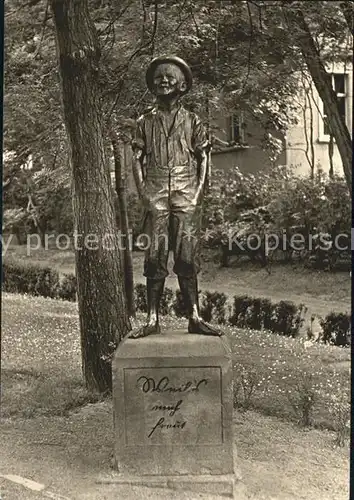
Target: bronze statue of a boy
170, 168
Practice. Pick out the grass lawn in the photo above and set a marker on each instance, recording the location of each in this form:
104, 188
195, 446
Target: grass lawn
42, 364
321, 292
51, 434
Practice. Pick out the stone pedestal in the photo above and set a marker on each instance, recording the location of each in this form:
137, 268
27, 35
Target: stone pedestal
173, 405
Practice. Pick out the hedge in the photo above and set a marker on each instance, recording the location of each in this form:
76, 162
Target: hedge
34, 280
283, 318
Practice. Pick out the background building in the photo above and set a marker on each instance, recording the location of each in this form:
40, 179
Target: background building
308, 143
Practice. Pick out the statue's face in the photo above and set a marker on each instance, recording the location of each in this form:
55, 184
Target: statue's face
169, 80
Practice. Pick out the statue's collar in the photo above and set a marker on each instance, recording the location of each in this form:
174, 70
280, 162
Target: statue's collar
176, 108
178, 120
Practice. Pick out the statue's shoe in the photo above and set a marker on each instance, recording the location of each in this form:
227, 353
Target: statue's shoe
203, 328
144, 331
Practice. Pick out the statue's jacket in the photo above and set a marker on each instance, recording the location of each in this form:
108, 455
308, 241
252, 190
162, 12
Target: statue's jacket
171, 157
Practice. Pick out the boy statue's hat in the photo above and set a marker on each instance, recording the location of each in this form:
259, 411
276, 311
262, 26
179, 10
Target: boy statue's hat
168, 60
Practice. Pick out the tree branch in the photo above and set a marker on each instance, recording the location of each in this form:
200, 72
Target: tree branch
249, 49
131, 57
347, 9
31, 3
45, 19
115, 18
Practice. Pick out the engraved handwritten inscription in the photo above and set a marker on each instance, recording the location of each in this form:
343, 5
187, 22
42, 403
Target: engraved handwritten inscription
163, 385
149, 384
161, 425
173, 405
170, 408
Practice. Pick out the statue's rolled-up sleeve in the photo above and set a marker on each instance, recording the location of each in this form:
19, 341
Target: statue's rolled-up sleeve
200, 142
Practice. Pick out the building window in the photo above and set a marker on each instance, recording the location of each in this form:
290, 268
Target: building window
236, 134
339, 84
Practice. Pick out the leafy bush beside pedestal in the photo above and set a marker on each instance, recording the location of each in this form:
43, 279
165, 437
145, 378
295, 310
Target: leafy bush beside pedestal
336, 329
179, 307
213, 307
68, 288
140, 297
167, 300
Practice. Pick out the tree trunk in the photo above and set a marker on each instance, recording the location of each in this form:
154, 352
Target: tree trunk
330, 154
323, 83
305, 108
208, 175
20, 235
42, 234
102, 309
124, 226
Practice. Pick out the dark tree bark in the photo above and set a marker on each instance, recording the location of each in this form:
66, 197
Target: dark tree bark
102, 309
20, 234
323, 83
124, 225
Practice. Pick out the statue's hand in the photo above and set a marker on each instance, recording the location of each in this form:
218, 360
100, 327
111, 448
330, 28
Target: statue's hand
145, 199
197, 197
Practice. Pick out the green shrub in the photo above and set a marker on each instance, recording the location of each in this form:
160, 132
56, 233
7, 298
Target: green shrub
47, 284
179, 306
17, 278
328, 251
284, 318
68, 288
240, 306
336, 329
135, 211
213, 307
140, 297
166, 301
266, 313
34, 280
253, 317
248, 313
340, 409
287, 204
253, 313
246, 384
303, 398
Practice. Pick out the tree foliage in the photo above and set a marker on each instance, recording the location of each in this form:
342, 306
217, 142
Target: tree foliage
245, 55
